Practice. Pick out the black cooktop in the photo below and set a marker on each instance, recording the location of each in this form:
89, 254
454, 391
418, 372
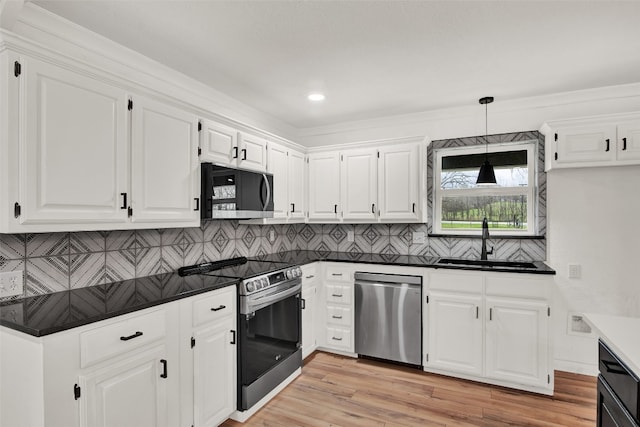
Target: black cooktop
238, 268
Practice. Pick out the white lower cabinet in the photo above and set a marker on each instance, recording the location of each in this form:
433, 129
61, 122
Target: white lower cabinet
135, 370
455, 332
490, 327
309, 308
129, 393
517, 335
337, 307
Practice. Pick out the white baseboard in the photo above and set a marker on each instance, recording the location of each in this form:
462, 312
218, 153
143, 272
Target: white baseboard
576, 367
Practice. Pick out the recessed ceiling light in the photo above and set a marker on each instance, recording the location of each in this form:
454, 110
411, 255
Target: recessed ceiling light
316, 97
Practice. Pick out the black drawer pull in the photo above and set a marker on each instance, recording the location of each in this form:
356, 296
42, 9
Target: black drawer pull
311, 276
337, 295
335, 209
614, 368
124, 201
336, 274
233, 340
293, 207
197, 199
624, 144
337, 317
164, 368
413, 208
235, 152
336, 339
607, 141
220, 307
130, 337
244, 154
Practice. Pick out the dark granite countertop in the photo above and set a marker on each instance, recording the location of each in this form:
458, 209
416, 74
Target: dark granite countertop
306, 257
46, 314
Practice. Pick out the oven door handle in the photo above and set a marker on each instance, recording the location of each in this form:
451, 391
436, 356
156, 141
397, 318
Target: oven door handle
259, 303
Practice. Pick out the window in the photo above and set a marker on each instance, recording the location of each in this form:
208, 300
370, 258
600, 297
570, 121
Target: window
460, 205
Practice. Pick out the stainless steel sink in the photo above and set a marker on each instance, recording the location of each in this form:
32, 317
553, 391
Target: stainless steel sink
516, 265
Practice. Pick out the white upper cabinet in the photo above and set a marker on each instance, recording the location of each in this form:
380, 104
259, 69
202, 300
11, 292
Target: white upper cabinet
277, 159
398, 182
219, 143
228, 146
297, 185
324, 186
359, 178
612, 140
166, 178
74, 162
252, 153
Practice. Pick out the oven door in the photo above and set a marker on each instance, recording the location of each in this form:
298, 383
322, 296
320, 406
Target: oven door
269, 337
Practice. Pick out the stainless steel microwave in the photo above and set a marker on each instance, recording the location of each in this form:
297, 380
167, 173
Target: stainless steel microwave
235, 194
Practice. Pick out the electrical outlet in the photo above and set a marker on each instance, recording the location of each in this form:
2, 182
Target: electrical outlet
350, 236
417, 238
11, 283
272, 236
574, 271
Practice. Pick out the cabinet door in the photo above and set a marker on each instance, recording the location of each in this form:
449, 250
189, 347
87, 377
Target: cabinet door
324, 186
309, 314
517, 337
629, 141
166, 173
297, 185
219, 144
586, 144
75, 158
130, 393
455, 332
398, 182
278, 163
359, 184
253, 153
214, 380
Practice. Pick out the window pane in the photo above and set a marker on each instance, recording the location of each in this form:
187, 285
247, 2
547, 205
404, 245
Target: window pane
467, 212
462, 171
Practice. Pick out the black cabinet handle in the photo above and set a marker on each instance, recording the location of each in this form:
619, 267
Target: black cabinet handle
311, 276
220, 307
293, 207
337, 295
164, 368
414, 208
336, 317
336, 339
614, 368
624, 144
490, 314
244, 154
607, 149
303, 304
124, 201
197, 199
235, 152
233, 340
373, 208
335, 209
130, 337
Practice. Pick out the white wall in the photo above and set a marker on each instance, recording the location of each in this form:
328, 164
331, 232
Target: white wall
593, 219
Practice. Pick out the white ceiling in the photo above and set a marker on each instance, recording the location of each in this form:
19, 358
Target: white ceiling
375, 58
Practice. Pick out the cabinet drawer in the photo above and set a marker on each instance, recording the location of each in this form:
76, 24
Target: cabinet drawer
309, 272
339, 338
120, 337
339, 274
339, 293
624, 383
214, 306
339, 315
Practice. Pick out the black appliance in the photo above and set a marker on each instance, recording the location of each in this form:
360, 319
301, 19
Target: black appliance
235, 194
269, 322
618, 392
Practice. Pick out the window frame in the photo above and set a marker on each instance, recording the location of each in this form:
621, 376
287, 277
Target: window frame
531, 190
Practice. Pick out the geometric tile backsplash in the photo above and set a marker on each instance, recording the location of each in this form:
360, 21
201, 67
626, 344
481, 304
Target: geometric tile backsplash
60, 261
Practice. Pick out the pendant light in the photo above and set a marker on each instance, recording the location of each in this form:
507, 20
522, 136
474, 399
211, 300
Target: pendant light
486, 176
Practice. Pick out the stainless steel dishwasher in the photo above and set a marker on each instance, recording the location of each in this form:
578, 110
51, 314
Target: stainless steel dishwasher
389, 317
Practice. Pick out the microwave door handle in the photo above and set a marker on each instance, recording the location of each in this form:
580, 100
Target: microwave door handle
266, 184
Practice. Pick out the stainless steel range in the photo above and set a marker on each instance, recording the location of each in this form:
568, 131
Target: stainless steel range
269, 323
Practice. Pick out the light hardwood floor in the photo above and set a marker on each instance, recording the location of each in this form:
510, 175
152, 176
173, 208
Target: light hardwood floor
341, 391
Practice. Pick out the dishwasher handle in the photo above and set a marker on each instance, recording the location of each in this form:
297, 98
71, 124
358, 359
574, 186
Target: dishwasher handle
387, 279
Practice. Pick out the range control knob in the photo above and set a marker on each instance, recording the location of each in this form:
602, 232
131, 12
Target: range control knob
264, 282
251, 286
289, 274
298, 271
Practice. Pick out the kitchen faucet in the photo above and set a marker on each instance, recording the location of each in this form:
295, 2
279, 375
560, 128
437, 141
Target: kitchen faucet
485, 236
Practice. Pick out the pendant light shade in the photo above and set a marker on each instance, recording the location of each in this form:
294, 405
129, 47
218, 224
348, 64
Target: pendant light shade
486, 176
